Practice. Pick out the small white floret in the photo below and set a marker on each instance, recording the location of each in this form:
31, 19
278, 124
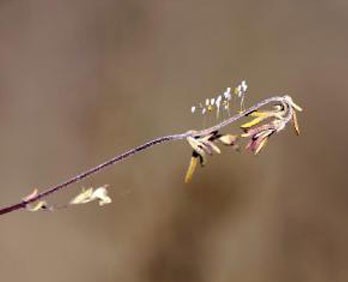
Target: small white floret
218, 101
217, 104
227, 93
244, 86
239, 90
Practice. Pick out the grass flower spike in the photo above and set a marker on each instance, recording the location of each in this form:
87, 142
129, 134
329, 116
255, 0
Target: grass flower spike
258, 130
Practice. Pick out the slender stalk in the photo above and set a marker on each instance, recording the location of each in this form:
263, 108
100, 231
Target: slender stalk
133, 151
91, 171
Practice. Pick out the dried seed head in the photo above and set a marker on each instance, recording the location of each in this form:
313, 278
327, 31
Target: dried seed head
85, 196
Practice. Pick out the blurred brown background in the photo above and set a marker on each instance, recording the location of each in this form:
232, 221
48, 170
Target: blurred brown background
83, 80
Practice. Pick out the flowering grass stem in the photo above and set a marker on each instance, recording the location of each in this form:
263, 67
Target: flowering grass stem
23, 204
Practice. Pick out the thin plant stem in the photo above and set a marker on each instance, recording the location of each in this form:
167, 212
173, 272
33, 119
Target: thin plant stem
133, 151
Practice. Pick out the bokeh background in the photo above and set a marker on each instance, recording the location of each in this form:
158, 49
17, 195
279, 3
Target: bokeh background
82, 80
